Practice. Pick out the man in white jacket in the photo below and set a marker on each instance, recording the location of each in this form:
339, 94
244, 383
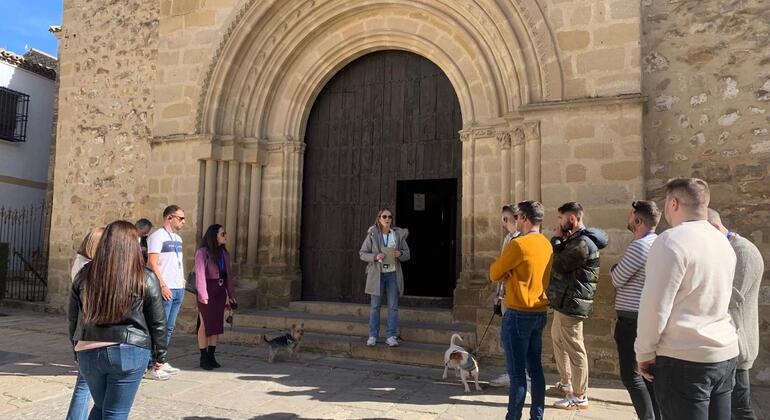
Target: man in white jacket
686, 343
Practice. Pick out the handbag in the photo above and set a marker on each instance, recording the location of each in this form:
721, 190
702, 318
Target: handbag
190, 284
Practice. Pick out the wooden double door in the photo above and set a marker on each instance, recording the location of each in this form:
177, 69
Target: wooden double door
383, 132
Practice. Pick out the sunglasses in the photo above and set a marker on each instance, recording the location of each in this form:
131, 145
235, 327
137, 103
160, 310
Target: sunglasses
386, 216
178, 217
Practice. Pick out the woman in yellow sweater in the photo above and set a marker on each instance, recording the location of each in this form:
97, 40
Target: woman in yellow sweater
525, 267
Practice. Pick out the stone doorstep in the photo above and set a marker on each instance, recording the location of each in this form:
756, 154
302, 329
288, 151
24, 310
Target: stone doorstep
415, 331
356, 309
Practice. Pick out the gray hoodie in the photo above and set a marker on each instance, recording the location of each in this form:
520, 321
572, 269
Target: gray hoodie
371, 247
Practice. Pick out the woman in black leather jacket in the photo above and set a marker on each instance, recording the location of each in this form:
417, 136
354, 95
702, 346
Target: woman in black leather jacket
116, 321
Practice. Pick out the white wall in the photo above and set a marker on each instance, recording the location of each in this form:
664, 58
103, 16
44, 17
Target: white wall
27, 160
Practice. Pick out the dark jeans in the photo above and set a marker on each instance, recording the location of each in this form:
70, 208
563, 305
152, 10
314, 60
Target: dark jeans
113, 375
693, 391
522, 337
641, 391
741, 398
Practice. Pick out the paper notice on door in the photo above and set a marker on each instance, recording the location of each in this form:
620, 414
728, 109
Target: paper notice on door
389, 259
419, 202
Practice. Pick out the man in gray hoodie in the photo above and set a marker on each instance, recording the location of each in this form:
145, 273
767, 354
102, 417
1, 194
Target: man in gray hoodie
744, 312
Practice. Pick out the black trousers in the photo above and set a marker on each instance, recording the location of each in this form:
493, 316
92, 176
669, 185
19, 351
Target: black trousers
694, 391
641, 392
741, 398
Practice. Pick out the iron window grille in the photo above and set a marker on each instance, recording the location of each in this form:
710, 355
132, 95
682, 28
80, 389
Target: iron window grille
14, 112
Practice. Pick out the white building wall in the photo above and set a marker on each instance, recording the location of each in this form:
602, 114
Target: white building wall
27, 162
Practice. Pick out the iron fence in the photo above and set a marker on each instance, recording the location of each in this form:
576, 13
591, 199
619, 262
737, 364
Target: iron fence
23, 231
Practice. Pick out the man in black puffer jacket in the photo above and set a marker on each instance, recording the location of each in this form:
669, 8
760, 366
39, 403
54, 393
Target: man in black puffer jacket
574, 274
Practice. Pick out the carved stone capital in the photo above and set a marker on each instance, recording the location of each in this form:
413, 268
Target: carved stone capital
505, 140
532, 130
519, 136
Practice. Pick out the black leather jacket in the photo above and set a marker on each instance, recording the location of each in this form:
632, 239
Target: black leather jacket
144, 325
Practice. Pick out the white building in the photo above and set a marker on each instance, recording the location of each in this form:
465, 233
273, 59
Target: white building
27, 94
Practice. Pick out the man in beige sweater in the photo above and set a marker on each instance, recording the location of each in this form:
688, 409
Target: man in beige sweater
686, 343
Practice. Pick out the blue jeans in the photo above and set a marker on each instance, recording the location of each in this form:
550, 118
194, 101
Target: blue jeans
113, 375
389, 286
172, 307
522, 337
79, 403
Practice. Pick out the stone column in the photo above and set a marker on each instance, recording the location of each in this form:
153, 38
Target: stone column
209, 193
505, 166
468, 174
532, 135
518, 164
255, 196
242, 233
231, 219
221, 194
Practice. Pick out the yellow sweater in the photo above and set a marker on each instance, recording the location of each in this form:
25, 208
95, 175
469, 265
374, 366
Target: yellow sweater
525, 266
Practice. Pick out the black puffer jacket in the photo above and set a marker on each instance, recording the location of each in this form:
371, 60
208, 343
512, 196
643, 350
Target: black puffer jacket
575, 272
143, 326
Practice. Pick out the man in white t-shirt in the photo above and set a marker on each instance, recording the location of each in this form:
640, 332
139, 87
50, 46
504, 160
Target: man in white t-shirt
164, 249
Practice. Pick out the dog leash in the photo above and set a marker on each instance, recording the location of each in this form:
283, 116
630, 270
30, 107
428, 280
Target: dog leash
478, 345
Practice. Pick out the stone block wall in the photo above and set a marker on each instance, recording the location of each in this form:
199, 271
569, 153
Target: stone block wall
598, 44
105, 111
706, 73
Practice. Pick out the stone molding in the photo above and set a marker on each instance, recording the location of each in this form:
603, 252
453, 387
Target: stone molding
530, 72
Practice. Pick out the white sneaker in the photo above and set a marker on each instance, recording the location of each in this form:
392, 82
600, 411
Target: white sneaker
572, 403
166, 367
501, 381
156, 375
371, 342
392, 341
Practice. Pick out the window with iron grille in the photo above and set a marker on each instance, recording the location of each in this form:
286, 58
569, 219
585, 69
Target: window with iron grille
14, 109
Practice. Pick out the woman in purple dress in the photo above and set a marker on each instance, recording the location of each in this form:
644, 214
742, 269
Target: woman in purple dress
214, 281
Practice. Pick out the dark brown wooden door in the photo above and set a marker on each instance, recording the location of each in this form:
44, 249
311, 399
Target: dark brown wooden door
388, 116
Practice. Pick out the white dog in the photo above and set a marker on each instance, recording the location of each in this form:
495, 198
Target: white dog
464, 364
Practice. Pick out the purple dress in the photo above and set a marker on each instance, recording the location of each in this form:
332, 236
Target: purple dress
214, 282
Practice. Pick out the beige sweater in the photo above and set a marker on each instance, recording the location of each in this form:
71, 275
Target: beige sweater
683, 312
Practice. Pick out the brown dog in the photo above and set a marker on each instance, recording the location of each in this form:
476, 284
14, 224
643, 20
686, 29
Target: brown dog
289, 342
463, 362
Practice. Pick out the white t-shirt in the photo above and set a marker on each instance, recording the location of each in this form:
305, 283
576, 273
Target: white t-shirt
169, 246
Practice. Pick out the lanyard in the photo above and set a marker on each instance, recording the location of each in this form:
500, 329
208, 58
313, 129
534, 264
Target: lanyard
533, 231
176, 247
647, 234
386, 238
221, 261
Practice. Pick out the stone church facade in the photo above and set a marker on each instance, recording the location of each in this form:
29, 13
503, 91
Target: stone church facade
207, 103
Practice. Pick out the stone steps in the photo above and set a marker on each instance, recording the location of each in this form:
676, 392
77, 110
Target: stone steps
341, 329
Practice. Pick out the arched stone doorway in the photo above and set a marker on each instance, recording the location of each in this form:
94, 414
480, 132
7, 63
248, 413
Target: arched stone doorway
383, 132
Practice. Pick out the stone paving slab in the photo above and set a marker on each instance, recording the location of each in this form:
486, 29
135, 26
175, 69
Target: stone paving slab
37, 375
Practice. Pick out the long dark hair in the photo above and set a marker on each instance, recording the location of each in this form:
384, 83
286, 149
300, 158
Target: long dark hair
209, 241
115, 279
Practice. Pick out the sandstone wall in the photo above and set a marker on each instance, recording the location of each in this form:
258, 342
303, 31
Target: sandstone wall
706, 72
107, 71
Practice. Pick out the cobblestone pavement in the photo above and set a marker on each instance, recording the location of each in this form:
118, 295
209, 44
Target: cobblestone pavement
38, 375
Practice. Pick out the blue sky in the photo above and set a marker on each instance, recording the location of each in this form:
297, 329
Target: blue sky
25, 25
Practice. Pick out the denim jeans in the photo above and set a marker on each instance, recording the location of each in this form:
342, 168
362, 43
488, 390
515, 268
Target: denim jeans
522, 336
172, 307
113, 374
79, 403
741, 398
641, 392
693, 391
389, 288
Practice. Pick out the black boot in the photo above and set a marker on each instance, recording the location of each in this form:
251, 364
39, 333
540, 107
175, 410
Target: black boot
212, 359
205, 362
